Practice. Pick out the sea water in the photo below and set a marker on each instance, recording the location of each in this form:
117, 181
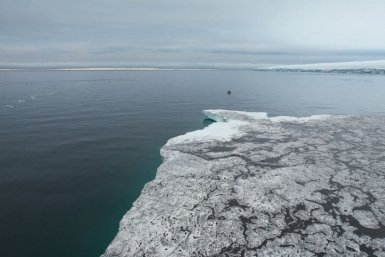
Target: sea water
77, 147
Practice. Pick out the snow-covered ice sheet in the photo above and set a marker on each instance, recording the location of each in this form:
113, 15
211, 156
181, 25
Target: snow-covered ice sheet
367, 67
254, 185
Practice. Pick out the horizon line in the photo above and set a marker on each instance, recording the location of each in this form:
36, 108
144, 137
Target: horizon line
104, 69
368, 64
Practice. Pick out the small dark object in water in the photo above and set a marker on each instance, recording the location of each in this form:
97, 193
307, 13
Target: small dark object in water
228, 92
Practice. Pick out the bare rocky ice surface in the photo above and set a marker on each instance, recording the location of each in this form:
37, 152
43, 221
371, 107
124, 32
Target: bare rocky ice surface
249, 185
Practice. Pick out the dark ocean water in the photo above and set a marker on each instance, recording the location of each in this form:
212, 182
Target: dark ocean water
76, 147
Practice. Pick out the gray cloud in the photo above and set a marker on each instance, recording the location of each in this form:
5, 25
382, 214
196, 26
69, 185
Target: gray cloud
189, 32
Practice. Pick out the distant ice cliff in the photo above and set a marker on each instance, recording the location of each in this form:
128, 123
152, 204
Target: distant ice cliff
250, 185
365, 67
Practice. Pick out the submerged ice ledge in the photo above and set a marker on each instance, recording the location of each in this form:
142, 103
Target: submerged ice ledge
250, 185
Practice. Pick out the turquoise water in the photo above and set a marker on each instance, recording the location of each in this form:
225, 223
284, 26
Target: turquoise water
77, 147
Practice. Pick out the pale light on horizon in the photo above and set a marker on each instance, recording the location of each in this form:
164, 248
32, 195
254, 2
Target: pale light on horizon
171, 33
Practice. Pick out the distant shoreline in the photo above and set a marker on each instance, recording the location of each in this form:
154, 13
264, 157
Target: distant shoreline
376, 67
104, 69
317, 71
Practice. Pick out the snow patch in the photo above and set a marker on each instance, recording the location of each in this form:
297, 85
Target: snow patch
229, 125
220, 131
225, 115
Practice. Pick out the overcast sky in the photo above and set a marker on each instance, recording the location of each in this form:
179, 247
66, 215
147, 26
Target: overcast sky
189, 32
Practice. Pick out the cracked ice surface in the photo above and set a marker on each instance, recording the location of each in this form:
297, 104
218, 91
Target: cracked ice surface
264, 187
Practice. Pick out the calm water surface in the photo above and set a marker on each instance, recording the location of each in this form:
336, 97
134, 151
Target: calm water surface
76, 148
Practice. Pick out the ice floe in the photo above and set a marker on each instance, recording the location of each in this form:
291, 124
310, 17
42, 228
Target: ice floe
254, 185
